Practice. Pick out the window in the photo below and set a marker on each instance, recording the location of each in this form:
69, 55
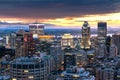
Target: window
31, 66
25, 66
19, 66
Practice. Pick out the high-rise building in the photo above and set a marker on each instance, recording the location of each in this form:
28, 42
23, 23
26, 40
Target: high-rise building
56, 52
85, 43
81, 58
12, 40
94, 42
67, 40
6, 41
116, 42
36, 29
1, 41
102, 51
29, 45
19, 50
108, 43
105, 73
102, 32
70, 59
113, 51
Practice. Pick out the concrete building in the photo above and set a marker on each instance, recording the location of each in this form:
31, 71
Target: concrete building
102, 32
81, 58
70, 58
29, 44
1, 41
36, 29
67, 40
101, 51
105, 74
117, 75
6, 41
94, 42
113, 51
108, 43
19, 48
5, 77
56, 52
12, 40
30, 68
74, 73
116, 42
85, 43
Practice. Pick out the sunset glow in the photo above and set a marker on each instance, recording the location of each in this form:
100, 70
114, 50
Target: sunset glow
112, 19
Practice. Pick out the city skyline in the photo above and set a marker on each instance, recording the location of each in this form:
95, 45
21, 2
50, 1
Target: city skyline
61, 13
59, 39
35, 54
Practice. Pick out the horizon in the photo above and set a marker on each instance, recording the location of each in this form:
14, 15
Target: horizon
60, 12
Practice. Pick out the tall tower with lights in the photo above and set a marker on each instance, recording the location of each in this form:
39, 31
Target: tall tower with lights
85, 42
102, 32
36, 29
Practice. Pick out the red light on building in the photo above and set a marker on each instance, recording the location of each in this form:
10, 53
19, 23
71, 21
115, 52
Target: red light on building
29, 44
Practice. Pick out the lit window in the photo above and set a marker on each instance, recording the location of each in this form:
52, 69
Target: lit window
26, 71
14, 79
30, 77
75, 76
62, 75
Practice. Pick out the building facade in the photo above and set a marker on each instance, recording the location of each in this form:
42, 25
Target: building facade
69, 60
19, 48
85, 43
102, 32
116, 42
12, 40
74, 73
113, 51
56, 52
29, 68
36, 29
67, 40
29, 44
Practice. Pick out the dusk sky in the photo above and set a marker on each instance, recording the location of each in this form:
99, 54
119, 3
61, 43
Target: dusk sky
69, 13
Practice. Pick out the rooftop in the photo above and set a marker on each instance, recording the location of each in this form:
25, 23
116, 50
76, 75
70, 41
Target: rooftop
26, 60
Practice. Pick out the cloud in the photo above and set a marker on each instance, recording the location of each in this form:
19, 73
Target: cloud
56, 8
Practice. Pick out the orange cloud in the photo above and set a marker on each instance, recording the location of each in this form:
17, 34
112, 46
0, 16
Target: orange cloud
112, 19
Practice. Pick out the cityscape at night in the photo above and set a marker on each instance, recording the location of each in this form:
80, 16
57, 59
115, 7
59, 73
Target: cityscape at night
59, 39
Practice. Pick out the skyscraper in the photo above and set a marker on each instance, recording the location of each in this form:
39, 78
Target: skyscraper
67, 40
85, 43
29, 45
56, 52
102, 51
108, 43
116, 42
12, 40
36, 29
19, 50
113, 51
70, 58
102, 32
